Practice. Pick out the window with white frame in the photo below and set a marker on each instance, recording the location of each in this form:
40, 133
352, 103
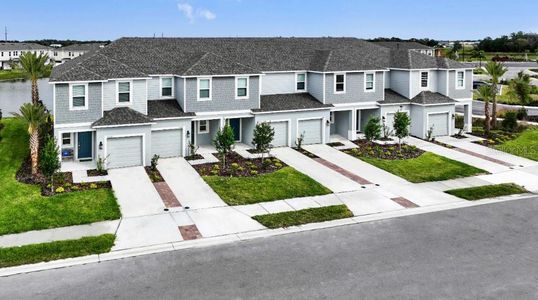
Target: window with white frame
78, 96
67, 139
241, 87
203, 126
124, 92
167, 87
204, 89
369, 82
460, 79
301, 82
424, 79
340, 83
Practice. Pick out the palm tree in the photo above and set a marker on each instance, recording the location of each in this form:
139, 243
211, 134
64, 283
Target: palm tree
520, 88
35, 67
496, 70
35, 115
480, 54
485, 93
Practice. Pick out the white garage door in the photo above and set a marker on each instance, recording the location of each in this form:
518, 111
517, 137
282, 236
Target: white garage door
124, 152
281, 134
167, 143
311, 130
439, 122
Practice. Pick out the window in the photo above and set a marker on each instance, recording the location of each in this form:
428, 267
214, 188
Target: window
424, 79
203, 126
339, 83
369, 82
78, 96
66, 139
460, 79
241, 87
15, 53
9, 53
69, 54
301, 82
204, 89
167, 87
55, 53
124, 92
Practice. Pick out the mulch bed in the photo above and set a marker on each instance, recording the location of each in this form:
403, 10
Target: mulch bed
389, 152
238, 166
458, 136
95, 172
194, 157
63, 183
496, 137
154, 175
24, 173
307, 153
335, 144
434, 141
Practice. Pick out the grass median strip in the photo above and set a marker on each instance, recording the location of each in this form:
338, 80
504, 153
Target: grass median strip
304, 216
487, 191
29, 254
282, 184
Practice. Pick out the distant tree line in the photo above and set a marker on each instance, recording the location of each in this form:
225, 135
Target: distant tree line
425, 41
515, 42
48, 42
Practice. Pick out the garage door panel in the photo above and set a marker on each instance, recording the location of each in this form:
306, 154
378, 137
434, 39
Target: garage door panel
124, 152
312, 130
167, 143
281, 134
439, 123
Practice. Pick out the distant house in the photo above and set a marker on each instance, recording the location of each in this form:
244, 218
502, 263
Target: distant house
62, 54
10, 52
414, 46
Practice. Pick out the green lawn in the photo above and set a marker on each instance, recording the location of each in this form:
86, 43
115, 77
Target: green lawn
35, 253
282, 184
525, 145
22, 208
11, 74
426, 167
304, 216
487, 191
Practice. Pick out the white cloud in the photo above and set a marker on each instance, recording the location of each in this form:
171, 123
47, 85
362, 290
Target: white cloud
189, 12
208, 15
186, 9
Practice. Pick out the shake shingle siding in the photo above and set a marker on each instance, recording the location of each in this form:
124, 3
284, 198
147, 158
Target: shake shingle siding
138, 95
222, 95
65, 116
314, 83
354, 87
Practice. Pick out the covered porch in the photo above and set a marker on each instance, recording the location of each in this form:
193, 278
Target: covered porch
78, 149
467, 107
205, 128
347, 122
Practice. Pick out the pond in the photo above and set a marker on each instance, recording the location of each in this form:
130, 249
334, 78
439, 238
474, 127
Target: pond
17, 92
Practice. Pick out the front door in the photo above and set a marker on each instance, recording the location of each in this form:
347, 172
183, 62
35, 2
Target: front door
236, 127
84, 145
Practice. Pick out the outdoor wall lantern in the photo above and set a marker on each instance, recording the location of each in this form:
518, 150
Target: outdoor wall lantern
453, 116
188, 134
100, 145
328, 122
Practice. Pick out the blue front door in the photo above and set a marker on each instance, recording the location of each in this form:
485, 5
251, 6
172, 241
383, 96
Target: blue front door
84, 145
236, 127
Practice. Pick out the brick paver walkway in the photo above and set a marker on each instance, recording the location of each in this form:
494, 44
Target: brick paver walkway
404, 202
500, 162
166, 194
190, 232
342, 171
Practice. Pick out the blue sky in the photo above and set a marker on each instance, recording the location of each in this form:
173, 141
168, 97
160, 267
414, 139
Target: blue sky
111, 19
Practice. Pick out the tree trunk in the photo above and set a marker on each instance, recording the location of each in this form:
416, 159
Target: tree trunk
487, 123
35, 92
494, 107
34, 149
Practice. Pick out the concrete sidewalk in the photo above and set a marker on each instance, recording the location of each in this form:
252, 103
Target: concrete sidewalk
325, 176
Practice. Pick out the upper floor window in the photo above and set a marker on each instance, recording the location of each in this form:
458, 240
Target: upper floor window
204, 88
79, 96
55, 53
424, 79
167, 85
241, 87
15, 53
339, 83
460, 79
369, 82
69, 54
301, 82
9, 53
124, 92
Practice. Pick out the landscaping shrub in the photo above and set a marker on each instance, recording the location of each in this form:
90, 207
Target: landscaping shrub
154, 162
522, 113
509, 122
372, 131
263, 136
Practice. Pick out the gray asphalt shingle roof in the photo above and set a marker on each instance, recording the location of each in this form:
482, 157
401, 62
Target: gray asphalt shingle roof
122, 116
21, 46
83, 47
427, 97
166, 109
283, 102
140, 57
391, 97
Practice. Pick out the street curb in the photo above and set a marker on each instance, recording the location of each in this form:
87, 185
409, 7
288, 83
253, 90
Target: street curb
246, 236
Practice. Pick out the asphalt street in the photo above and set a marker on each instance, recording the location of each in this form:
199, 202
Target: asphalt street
478, 108
486, 251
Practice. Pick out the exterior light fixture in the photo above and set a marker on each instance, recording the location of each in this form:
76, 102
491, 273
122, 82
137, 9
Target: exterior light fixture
100, 145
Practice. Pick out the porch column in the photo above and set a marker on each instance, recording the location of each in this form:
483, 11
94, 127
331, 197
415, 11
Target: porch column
468, 117
352, 132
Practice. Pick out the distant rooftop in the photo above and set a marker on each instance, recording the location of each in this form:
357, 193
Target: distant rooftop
83, 47
403, 45
21, 46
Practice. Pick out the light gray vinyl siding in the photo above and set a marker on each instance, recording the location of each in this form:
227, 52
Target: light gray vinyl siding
460, 93
354, 87
222, 95
441, 82
179, 89
278, 83
154, 88
65, 116
416, 87
314, 84
387, 80
103, 133
292, 119
387, 112
342, 123
207, 138
399, 82
138, 95
247, 128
